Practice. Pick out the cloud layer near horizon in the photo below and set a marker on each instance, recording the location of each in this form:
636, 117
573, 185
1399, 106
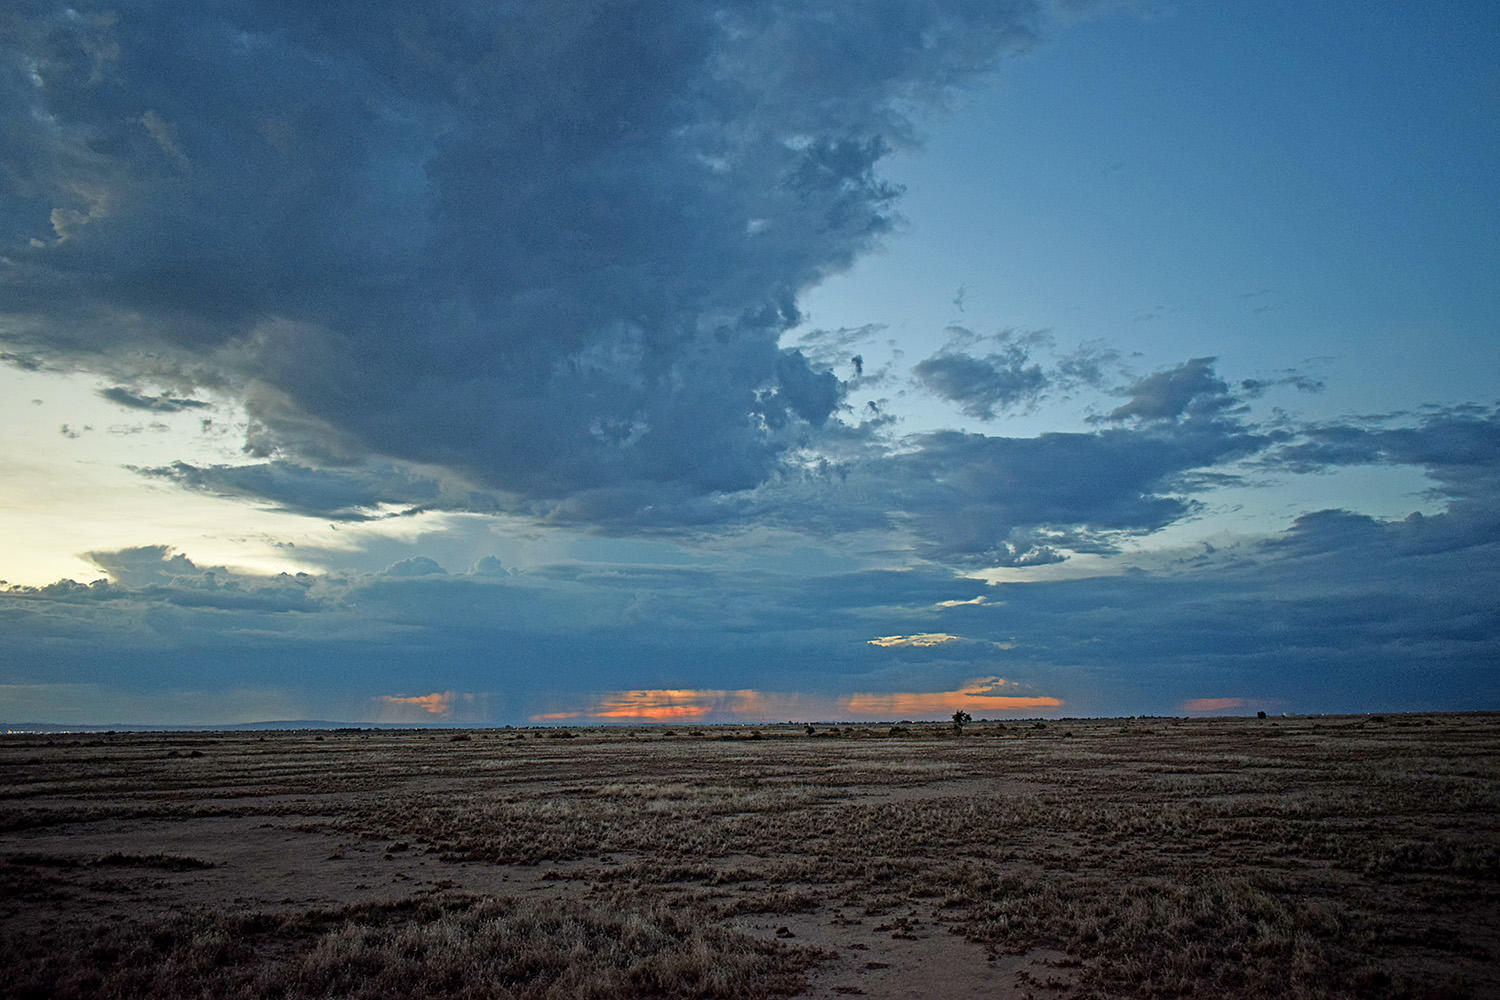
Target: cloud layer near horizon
1339, 602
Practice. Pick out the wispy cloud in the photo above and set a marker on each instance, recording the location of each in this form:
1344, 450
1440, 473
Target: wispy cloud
956, 603
919, 639
927, 640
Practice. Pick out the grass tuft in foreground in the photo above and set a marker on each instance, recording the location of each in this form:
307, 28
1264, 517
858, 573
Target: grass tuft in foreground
469, 949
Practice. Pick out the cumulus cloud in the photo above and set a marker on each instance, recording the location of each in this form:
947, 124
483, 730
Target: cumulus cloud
149, 575
144, 564
1003, 379
1192, 389
415, 566
973, 499
967, 499
1006, 376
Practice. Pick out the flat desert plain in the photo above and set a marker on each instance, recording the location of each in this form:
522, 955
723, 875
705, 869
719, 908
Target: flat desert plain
1284, 857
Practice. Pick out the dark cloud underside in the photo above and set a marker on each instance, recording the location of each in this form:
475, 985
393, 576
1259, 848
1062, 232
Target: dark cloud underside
551, 246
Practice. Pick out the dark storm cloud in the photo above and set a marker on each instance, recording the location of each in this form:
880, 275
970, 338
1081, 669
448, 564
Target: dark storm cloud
548, 246
809, 394
537, 258
1339, 611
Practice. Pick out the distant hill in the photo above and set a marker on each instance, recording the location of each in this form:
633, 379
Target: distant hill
130, 727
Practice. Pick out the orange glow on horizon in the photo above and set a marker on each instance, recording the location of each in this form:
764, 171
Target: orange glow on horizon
664, 705
685, 704
976, 695
655, 712
437, 703
1213, 704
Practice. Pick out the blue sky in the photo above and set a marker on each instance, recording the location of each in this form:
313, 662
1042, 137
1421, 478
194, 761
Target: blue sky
728, 362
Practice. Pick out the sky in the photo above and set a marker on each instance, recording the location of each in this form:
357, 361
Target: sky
689, 362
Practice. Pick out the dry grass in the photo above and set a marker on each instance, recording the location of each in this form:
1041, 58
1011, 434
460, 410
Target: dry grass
1234, 858
494, 949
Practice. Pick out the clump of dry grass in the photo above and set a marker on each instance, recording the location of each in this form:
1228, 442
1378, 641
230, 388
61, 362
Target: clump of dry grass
673, 820
1219, 937
778, 901
473, 949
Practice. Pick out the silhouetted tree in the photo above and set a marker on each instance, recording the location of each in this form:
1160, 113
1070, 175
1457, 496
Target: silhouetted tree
960, 719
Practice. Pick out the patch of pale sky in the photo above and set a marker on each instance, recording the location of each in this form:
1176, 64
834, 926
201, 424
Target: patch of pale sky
71, 493
1102, 194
